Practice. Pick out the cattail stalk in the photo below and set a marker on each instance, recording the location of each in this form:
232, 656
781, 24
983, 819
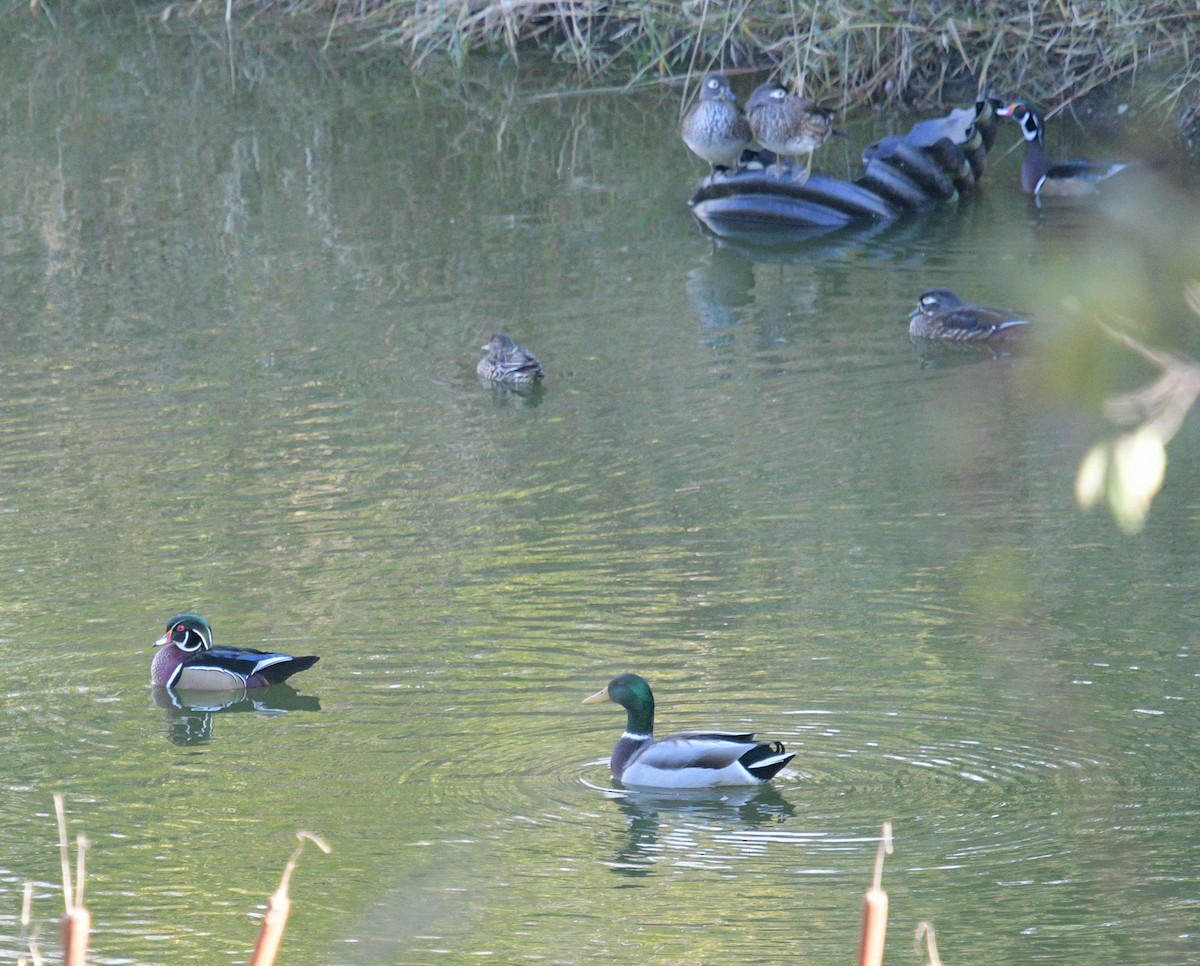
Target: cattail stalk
271, 933
875, 908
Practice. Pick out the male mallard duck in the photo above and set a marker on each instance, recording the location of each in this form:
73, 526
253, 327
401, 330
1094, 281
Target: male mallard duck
942, 314
189, 661
787, 123
1041, 176
508, 362
690, 759
714, 129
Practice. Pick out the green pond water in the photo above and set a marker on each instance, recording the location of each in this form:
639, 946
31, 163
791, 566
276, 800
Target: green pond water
244, 289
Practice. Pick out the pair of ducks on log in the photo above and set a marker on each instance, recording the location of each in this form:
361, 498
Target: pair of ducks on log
716, 131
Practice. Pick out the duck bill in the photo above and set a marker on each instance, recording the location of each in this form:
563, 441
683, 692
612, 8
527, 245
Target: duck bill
598, 697
165, 639
1006, 110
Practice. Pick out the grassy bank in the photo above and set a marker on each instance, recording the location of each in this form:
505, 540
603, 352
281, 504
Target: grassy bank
846, 52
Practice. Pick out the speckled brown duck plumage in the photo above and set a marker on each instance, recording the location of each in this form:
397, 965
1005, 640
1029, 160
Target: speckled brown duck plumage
788, 124
715, 130
942, 314
508, 362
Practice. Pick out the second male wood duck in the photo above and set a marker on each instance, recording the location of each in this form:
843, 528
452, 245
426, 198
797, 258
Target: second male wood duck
714, 129
788, 124
189, 661
1041, 176
942, 314
508, 362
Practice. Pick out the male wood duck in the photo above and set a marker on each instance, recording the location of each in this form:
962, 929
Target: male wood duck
1041, 176
189, 661
508, 362
690, 759
942, 314
787, 123
714, 129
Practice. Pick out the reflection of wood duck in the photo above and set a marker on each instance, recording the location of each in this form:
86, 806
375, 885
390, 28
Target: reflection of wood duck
1040, 175
714, 129
942, 314
787, 123
508, 362
690, 759
188, 660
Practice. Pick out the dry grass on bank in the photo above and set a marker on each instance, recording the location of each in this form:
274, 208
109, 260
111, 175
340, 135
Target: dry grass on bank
845, 51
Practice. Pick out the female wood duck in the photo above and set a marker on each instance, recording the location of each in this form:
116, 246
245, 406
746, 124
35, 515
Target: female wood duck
690, 759
1041, 176
941, 314
787, 123
189, 661
714, 129
508, 362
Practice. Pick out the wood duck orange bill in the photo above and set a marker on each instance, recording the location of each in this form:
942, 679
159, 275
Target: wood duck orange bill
1042, 176
188, 661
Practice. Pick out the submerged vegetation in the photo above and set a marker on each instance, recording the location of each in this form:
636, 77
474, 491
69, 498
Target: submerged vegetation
851, 52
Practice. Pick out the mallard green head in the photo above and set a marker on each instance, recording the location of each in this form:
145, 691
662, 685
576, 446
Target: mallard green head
188, 633
633, 694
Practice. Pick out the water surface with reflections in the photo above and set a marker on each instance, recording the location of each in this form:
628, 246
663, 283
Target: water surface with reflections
244, 290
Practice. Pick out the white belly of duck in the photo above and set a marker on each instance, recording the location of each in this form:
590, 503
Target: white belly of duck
695, 760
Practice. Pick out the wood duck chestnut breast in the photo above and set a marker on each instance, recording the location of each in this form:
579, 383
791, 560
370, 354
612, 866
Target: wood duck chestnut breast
942, 314
189, 661
1040, 175
714, 129
690, 759
508, 362
788, 124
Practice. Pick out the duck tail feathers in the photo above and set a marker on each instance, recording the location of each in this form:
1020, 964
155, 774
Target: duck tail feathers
766, 760
278, 673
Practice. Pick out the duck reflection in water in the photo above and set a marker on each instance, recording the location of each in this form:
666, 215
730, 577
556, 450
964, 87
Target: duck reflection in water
189, 714
662, 821
721, 290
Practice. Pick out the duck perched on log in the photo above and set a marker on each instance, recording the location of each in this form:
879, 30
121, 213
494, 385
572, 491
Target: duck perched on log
715, 130
788, 124
905, 173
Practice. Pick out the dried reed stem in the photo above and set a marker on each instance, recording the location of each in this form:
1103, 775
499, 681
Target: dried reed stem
875, 908
76, 920
270, 935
